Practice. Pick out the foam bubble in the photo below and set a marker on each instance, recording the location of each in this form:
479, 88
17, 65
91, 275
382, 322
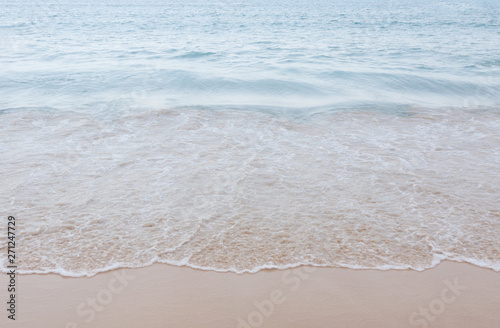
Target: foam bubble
240, 191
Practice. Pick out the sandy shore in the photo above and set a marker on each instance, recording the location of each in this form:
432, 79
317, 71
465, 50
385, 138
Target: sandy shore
450, 295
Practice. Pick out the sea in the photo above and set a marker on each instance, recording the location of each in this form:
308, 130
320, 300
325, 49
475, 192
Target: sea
237, 136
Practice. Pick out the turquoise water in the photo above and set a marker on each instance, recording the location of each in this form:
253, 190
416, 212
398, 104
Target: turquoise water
236, 136
125, 55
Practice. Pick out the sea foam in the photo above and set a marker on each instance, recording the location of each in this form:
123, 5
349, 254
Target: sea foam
239, 191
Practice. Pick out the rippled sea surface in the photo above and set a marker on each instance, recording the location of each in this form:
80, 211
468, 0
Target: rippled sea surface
237, 136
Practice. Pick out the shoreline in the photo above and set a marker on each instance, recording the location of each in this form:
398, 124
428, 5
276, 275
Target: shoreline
250, 272
452, 294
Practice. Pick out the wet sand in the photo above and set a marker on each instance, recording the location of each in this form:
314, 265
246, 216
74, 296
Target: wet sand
449, 295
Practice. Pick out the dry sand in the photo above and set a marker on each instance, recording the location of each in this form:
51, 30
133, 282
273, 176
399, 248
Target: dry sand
450, 295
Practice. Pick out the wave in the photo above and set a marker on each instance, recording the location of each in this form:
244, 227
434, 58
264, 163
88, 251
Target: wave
241, 190
182, 87
193, 54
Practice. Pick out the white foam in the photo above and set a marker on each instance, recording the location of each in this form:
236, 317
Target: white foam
241, 191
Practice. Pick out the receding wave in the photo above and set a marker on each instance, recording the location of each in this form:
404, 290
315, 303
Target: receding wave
241, 190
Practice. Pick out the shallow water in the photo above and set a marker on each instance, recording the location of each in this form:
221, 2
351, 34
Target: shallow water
235, 137
240, 191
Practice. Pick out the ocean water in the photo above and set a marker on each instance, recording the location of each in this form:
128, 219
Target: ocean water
237, 136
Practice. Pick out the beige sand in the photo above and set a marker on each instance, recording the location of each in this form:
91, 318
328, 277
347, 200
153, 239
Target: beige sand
450, 295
